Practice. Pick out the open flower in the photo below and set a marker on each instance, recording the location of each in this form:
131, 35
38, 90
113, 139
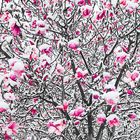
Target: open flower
63, 107
101, 118
11, 129
111, 97
78, 112
131, 78
86, 11
132, 116
56, 126
81, 73
121, 57
113, 120
15, 29
73, 44
59, 69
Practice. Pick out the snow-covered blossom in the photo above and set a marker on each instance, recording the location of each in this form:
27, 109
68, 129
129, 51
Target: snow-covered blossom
63, 107
59, 69
101, 15
15, 29
121, 57
78, 112
86, 11
73, 44
3, 105
106, 77
101, 118
45, 48
81, 73
56, 126
113, 120
9, 130
18, 68
9, 96
131, 78
132, 116
95, 94
111, 97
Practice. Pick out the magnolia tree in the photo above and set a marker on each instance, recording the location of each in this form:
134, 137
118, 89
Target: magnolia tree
69, 69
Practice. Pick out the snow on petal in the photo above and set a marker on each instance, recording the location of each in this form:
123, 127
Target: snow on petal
111, 97
101, 118
113, 120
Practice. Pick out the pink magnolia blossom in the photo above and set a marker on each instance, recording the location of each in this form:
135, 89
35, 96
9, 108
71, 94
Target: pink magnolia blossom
131, 78
3, 106
101, 118
56, 126
113, 120
7, 137
111, 97
121, 57
114, 107
132, 116
106, 77
11, 129
123, 2
86, 11
33, 111
77, 32
59, 69
13, 77
101, 15
64, 107
81, 73
129, 91
83, 2
9, 96
78, 112
134, 76
80, 2
73, 44
47, 49
7, 1
95, 94
76, 122
15, 29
